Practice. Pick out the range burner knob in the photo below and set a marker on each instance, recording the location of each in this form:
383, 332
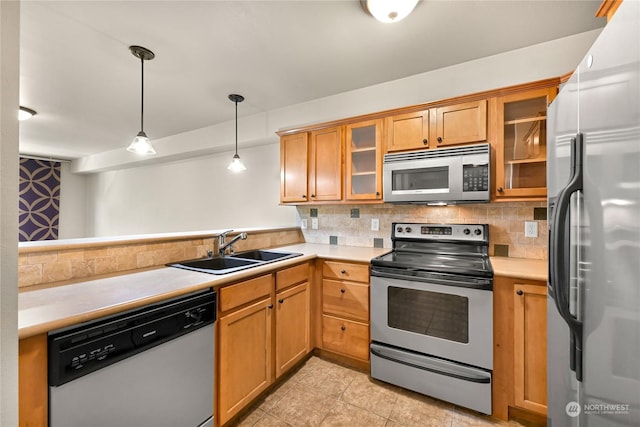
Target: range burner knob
466, 231
399, 229
478, 231
408, 229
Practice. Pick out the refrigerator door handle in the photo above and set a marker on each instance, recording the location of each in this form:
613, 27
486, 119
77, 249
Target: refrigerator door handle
559, 280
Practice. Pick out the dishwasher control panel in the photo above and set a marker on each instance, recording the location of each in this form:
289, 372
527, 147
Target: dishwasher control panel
81, 349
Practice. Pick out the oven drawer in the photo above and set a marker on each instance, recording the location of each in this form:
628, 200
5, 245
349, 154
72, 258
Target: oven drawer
459, 384
346, 299
346, 271
345, 337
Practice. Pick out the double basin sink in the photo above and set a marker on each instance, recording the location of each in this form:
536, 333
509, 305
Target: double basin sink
232, 263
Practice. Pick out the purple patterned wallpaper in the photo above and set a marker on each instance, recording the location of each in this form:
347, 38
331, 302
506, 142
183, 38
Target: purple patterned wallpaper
39, 202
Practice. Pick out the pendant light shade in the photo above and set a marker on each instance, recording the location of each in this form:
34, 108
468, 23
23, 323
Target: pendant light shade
141, 143
236, 164
389, 11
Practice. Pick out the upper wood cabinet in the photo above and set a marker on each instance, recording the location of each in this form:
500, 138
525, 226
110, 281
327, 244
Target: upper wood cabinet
294, 155
407, 131
520, 145
363, 148
438, 127
325, 165
459, 124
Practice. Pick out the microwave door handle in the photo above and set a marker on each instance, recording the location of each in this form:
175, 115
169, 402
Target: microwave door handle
559, 278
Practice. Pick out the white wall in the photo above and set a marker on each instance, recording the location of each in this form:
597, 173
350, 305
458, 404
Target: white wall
148, 196
73, 206
189, 195
9, 81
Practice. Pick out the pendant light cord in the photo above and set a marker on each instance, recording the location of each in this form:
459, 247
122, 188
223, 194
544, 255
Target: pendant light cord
142, 95
236, 127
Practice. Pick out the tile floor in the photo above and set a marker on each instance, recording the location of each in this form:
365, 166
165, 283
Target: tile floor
321, 393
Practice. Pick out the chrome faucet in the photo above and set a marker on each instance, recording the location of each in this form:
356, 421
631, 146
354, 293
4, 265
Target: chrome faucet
222, 246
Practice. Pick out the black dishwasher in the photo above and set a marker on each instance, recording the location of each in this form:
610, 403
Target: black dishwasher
151, 366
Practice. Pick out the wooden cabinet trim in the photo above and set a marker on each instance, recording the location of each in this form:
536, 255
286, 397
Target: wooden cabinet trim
234, 296
346, 299
291, 276
346, 337
608, 8
346, 271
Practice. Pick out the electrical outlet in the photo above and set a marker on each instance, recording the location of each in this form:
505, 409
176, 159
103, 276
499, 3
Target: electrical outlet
530, 229
375, 224
314, 223
303, 224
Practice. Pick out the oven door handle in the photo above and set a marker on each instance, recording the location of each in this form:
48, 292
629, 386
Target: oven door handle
426, 363
482, 284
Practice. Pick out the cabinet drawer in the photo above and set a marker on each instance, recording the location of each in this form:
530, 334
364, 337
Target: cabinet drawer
346, 271
292, 275
345, 337
241, 293
345, 299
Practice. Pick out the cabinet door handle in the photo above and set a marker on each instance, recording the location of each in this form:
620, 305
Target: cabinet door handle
343, 271
343, 328
313, 196
281, 300
519, 292
500, 189
304, 196
343, 290
270, 306
377, 193
439, 139
425, 141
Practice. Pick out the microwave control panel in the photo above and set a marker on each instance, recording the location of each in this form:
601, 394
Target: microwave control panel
475, 177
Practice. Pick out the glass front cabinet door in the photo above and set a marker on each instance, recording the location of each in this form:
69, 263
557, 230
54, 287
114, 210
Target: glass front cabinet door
521, 152
364, 160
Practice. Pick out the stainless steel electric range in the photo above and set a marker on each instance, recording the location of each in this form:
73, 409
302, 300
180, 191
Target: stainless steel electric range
432, 313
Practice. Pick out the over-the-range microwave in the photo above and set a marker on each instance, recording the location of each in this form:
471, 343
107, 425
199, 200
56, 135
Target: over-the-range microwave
440, 176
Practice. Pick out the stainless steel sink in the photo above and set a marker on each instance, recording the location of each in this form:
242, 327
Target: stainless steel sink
233, 263
262, 255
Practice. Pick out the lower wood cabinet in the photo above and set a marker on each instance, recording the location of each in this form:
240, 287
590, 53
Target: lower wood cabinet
33, 385
263, 331
345, 309
520, 348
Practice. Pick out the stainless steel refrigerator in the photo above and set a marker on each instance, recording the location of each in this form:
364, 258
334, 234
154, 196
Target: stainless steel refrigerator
593, 181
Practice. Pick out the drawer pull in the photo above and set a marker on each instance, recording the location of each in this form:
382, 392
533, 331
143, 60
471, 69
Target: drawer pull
343, 290
343, 271
281, 300
343, 328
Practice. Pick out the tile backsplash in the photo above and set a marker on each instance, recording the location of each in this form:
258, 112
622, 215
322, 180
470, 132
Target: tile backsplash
506, 224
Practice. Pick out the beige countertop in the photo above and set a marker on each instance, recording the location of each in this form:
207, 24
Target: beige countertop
520, 268
43, 310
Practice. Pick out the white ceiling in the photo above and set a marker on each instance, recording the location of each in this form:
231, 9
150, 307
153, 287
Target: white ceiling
77, 72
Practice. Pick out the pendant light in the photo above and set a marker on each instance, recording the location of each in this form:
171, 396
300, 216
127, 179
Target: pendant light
236, 164
388, 11
141, 143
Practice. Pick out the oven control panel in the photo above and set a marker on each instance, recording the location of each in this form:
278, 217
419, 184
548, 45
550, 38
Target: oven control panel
462, 232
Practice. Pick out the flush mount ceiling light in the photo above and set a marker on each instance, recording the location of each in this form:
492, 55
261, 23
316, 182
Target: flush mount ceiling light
389, 10
236, 164
141, 143
26, 113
